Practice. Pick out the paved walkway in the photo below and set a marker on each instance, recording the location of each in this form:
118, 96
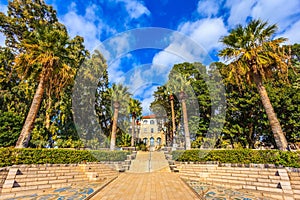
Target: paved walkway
146, 186
149, 162
139, 184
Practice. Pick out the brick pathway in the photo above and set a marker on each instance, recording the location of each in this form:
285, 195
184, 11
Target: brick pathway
139, 184
149, 162
146, 186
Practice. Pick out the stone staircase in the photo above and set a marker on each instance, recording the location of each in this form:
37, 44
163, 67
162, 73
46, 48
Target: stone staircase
28, 179
96, 172
3, 175
270, 183
295, 183
149, 162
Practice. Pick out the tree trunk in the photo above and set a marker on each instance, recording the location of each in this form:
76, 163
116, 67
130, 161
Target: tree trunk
185, 123
173, 119
114, 127
48, 121
48, 114
279, 137
133, 131
29, 122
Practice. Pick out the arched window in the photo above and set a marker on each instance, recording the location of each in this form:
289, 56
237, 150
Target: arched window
152, 122
158, 141
145, 121
151, 141
145, 140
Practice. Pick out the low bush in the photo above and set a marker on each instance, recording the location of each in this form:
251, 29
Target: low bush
241, 156
12, 156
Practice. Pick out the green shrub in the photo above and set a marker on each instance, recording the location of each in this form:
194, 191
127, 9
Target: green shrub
12, 156
242, 156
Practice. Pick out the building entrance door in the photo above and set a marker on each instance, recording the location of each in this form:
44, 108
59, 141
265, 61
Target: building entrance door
152, 141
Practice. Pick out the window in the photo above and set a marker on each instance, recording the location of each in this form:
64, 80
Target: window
145, 140
151, 141
145, 121
159, 141
145, 130
152, 130
152, 122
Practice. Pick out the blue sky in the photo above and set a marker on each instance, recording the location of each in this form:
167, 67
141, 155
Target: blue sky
204, 21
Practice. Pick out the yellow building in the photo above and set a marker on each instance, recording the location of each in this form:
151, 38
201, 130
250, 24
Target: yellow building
151, 132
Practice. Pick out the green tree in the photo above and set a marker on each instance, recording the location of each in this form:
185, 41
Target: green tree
178, 84
164, 106
44, 52
119, 97
255, 57
135, 110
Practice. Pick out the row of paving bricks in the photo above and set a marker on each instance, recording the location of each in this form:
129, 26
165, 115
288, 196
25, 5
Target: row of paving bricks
270, 183
28, 179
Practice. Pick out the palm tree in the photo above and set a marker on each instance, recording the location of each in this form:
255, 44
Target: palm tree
168, 91
44, 54
51, 57
177, 84
135, 110
119, 96
255, 57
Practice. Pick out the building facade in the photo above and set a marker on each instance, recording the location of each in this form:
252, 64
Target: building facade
151, 132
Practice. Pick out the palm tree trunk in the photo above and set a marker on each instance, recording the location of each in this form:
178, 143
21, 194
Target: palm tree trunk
48, 121
185, 124
279, 137
133, 131
173, 119
24, 137
114, 127
48, 114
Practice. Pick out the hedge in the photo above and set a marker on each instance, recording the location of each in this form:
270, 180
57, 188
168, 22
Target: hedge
12, 156
242, 156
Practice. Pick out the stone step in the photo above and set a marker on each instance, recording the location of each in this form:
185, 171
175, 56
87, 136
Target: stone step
39, 185
99, 170
48, 171
259, 173
296, 187
32, 179
296, 191
241, 182
267, 194
37, 175
29, 169
257, 177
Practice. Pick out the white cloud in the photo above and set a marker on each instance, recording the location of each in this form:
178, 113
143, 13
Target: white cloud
200, 38
146, 105
135, 82
119, 45
148, 98
115, 73
89, 25
135, 9
239, 11
163, 62
280, 12
206, 32
292, 33
208, 8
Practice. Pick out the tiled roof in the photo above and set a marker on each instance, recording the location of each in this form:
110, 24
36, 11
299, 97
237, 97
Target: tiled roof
149, 117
